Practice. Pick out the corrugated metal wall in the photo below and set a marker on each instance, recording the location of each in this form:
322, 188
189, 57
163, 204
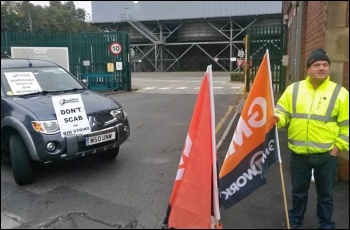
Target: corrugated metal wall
114, 11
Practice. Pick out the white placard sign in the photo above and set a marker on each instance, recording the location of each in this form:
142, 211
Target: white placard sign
119, 65
86, 63
57, 55
71, 115
22, 83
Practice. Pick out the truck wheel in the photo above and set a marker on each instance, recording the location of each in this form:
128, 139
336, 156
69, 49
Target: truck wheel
110, 154
20, 160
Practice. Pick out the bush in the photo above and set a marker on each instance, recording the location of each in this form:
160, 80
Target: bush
237, 76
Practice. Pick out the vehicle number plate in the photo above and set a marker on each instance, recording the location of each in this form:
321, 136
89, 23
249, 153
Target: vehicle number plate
100, 138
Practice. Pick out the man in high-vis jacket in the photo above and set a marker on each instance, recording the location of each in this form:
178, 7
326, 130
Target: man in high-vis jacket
316, 111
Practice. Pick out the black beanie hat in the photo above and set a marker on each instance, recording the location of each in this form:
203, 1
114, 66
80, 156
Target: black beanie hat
317, 55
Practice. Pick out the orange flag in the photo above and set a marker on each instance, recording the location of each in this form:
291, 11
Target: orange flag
253, 146
194, 198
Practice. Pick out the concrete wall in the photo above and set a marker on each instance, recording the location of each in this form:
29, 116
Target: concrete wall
337, 40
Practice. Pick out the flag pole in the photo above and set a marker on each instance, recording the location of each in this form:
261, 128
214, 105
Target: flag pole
214, 154
278, 146
283, 189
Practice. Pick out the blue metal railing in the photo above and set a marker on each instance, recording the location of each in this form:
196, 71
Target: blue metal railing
100, 81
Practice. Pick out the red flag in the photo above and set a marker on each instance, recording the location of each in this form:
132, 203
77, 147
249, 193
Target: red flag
253, 146
194, 198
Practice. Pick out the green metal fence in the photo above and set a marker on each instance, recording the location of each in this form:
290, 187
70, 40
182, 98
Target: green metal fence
89, 53
273, 38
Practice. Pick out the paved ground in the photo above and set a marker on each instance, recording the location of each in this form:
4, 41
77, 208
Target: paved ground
101, 214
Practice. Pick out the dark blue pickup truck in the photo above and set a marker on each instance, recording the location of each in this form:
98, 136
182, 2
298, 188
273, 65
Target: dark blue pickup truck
48, 115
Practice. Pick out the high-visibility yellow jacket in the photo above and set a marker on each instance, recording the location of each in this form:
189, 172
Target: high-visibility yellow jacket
318, 119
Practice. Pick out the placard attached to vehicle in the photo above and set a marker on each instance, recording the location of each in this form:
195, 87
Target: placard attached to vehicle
100, 138
22, 83
71, 115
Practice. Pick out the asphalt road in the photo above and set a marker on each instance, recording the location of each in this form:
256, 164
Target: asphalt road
134, 190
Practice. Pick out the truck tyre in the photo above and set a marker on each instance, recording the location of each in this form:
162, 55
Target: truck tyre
110, 154
20, 160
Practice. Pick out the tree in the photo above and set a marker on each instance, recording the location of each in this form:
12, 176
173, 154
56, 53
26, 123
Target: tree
23, 16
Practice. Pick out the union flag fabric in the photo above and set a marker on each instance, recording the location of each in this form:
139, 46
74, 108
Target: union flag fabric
253, 147
194, 198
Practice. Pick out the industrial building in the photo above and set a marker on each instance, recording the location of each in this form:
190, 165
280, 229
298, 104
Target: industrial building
185, 35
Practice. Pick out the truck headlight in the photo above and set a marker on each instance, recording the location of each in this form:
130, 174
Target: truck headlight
119, 114
48, 127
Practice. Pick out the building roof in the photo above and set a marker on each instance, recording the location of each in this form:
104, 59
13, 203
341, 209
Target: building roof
117, 11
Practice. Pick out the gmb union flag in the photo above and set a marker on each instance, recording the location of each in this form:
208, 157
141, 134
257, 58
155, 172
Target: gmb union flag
253, 146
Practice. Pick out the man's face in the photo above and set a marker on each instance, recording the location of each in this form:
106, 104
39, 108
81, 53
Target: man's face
319, 70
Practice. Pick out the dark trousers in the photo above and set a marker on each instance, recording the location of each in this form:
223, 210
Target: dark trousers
324, 172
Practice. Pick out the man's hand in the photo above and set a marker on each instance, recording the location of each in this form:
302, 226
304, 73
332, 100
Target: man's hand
277, 118
334, 152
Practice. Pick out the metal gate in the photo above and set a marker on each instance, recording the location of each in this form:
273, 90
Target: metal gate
273, 38
91, 55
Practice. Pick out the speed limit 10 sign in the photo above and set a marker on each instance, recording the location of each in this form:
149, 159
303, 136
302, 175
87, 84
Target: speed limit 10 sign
115, 48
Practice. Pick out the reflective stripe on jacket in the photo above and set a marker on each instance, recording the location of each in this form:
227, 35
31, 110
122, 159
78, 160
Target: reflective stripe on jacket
317, 119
